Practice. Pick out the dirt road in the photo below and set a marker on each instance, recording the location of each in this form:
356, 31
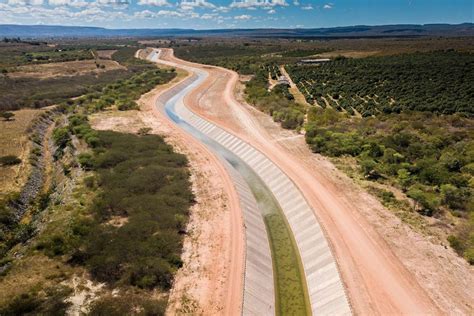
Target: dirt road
377, 280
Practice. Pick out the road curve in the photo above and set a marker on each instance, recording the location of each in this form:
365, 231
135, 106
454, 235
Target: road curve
326, 291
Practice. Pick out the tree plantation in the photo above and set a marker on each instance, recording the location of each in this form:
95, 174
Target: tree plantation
439, 82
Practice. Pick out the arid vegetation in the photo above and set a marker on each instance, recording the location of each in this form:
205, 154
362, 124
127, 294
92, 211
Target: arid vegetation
426, 156
20, 87
110, 212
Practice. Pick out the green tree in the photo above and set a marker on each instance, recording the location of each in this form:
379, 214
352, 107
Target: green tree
404, 178
426, 201
61, 137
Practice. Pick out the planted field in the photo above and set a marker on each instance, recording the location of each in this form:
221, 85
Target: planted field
439, 82
278, 102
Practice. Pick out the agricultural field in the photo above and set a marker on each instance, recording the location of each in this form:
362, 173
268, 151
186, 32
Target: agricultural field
373, 85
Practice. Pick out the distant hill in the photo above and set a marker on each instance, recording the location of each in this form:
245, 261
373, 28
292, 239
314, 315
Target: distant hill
402, 30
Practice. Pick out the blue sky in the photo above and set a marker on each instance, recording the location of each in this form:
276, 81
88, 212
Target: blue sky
209, 14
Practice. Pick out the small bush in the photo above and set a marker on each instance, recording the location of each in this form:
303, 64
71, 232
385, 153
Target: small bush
127, 105
85, 160
9, 160
7, 116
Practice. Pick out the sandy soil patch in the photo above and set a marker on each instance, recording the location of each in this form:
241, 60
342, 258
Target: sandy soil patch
105, 53
348, 54
299, 97
69, 68
14, 141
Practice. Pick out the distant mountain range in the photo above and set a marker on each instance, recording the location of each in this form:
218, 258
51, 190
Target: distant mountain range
402, 30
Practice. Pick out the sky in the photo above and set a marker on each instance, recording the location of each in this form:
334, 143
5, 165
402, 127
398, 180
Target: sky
212, 14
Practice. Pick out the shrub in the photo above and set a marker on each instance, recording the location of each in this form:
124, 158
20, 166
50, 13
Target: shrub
9, 160
61, 137
85, 160
427, 201
140, 178
127, 105
7, 116
51, 301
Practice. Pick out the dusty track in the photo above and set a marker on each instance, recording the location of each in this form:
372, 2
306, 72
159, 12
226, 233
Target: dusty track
376, 280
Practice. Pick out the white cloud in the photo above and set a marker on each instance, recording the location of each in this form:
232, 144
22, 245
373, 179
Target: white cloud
252, 4
25, 2
170, 13
296, 3
156, 3
328, 6
243, 17
145, 14
71, 3
191, 4
113, 2
209, 16
307, 7
221, 9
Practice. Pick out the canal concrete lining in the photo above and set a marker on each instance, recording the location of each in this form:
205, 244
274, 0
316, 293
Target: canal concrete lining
259, 285
325, 288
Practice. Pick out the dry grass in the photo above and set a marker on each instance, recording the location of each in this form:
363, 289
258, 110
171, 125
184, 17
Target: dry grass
31, 272
14, 141
69, 68
120, 121
106, 53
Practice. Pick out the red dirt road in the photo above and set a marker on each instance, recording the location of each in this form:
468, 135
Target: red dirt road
376, 280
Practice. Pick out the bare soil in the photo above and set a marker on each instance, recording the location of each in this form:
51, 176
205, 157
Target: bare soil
348, 54
69, 68
299, 97
106, 53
